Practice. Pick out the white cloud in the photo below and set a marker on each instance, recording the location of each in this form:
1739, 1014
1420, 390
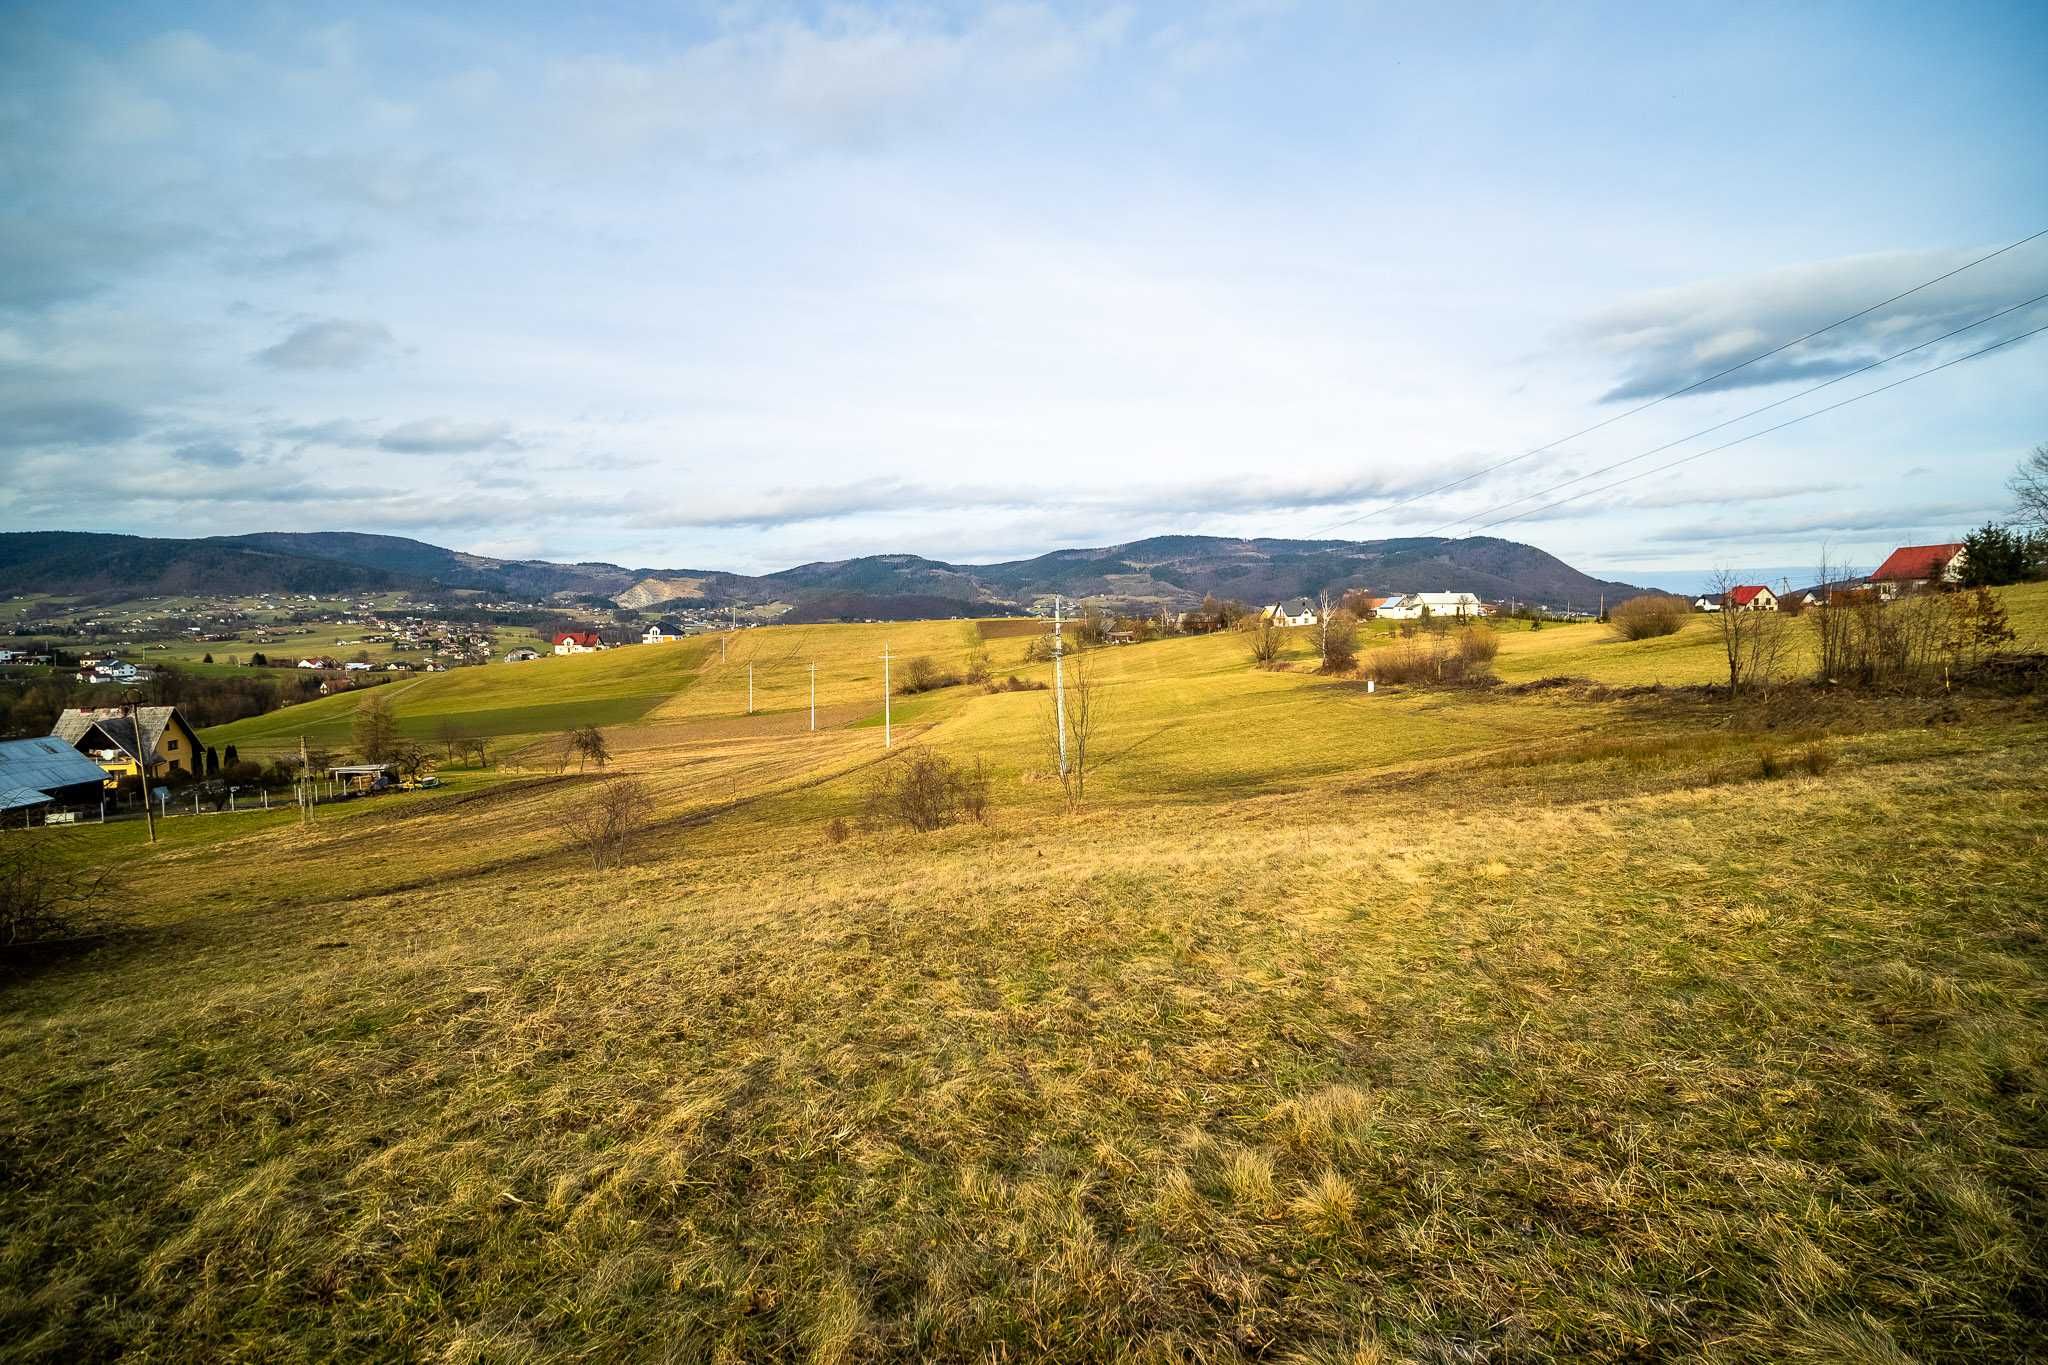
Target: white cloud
328, 344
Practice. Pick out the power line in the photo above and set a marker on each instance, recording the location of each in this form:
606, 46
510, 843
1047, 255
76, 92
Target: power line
1741, 417
1675, 393
1789, 422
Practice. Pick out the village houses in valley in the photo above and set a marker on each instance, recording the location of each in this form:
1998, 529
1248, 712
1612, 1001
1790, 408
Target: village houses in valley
1416, 605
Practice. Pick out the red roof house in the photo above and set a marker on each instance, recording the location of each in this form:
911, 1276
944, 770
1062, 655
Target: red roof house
1911, 566
577, 642
1752, 597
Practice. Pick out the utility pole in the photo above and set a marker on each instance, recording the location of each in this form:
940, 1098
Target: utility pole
305, 784
814, 698
888, 741
142, 767
750, 689
1059, 685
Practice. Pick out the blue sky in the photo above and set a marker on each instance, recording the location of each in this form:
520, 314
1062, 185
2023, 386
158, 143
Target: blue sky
744, 285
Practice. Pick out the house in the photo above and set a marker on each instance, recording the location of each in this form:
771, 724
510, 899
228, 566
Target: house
521, 655
1706, 604
41, 772
1911, 567
107, 735
1416, 605
577, 642
355, 666
1299, 612
1752, 597
661, 632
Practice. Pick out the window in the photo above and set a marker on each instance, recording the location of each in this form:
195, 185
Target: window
172, 746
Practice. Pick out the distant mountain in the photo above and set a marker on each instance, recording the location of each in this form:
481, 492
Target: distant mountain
1173, 571
87, 562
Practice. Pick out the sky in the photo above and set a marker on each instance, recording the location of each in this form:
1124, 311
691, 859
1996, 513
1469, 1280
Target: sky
744, 285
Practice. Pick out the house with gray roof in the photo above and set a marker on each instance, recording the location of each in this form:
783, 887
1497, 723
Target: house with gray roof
167, 743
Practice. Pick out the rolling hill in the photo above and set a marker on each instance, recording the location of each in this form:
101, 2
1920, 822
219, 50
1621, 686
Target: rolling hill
1164, 571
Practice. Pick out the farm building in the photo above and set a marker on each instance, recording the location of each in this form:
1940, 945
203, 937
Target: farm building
107, 735
1704, 603
1415, 605
35, 773
1915, 566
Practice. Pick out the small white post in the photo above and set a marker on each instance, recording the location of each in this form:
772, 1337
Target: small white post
814, 698
888, 741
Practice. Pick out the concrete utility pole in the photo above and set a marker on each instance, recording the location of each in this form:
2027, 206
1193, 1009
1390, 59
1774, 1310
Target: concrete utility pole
1059, 685
814, 698
305, 784
750, 689
888, 742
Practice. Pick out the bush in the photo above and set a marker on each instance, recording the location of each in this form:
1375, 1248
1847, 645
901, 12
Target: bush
1476, 647
923, 675
1013, 683
1817, 758
837, 830
928, 791
604, 817
1340, 643
1435, 658
1647, 617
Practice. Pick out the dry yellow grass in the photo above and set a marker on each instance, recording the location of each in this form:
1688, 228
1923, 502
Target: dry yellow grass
1419, 1026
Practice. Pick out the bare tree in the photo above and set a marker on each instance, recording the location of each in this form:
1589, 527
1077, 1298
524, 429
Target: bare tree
46, 892
1834, 622
375, 728
1752, 641
412, 759
603, 819
2030, 487
589, 746
1085, 716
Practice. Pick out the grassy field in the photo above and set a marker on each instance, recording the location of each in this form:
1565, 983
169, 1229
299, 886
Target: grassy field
1488, 1024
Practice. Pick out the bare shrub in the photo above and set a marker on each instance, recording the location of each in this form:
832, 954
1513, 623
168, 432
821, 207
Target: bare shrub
928, 791
979, 669
837, 830
44, 896
1647, 617
603, 818
1817, 758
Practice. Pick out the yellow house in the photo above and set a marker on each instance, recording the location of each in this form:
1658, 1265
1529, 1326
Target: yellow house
107, 735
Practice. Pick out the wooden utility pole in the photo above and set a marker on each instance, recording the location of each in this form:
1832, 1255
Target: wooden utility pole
142, 768
750, 689
814, 698
888, 741
305, 784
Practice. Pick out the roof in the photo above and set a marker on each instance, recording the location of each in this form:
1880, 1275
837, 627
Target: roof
576, 637
1912, 563
41, 766
113, 722
669, 627
1746, 594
